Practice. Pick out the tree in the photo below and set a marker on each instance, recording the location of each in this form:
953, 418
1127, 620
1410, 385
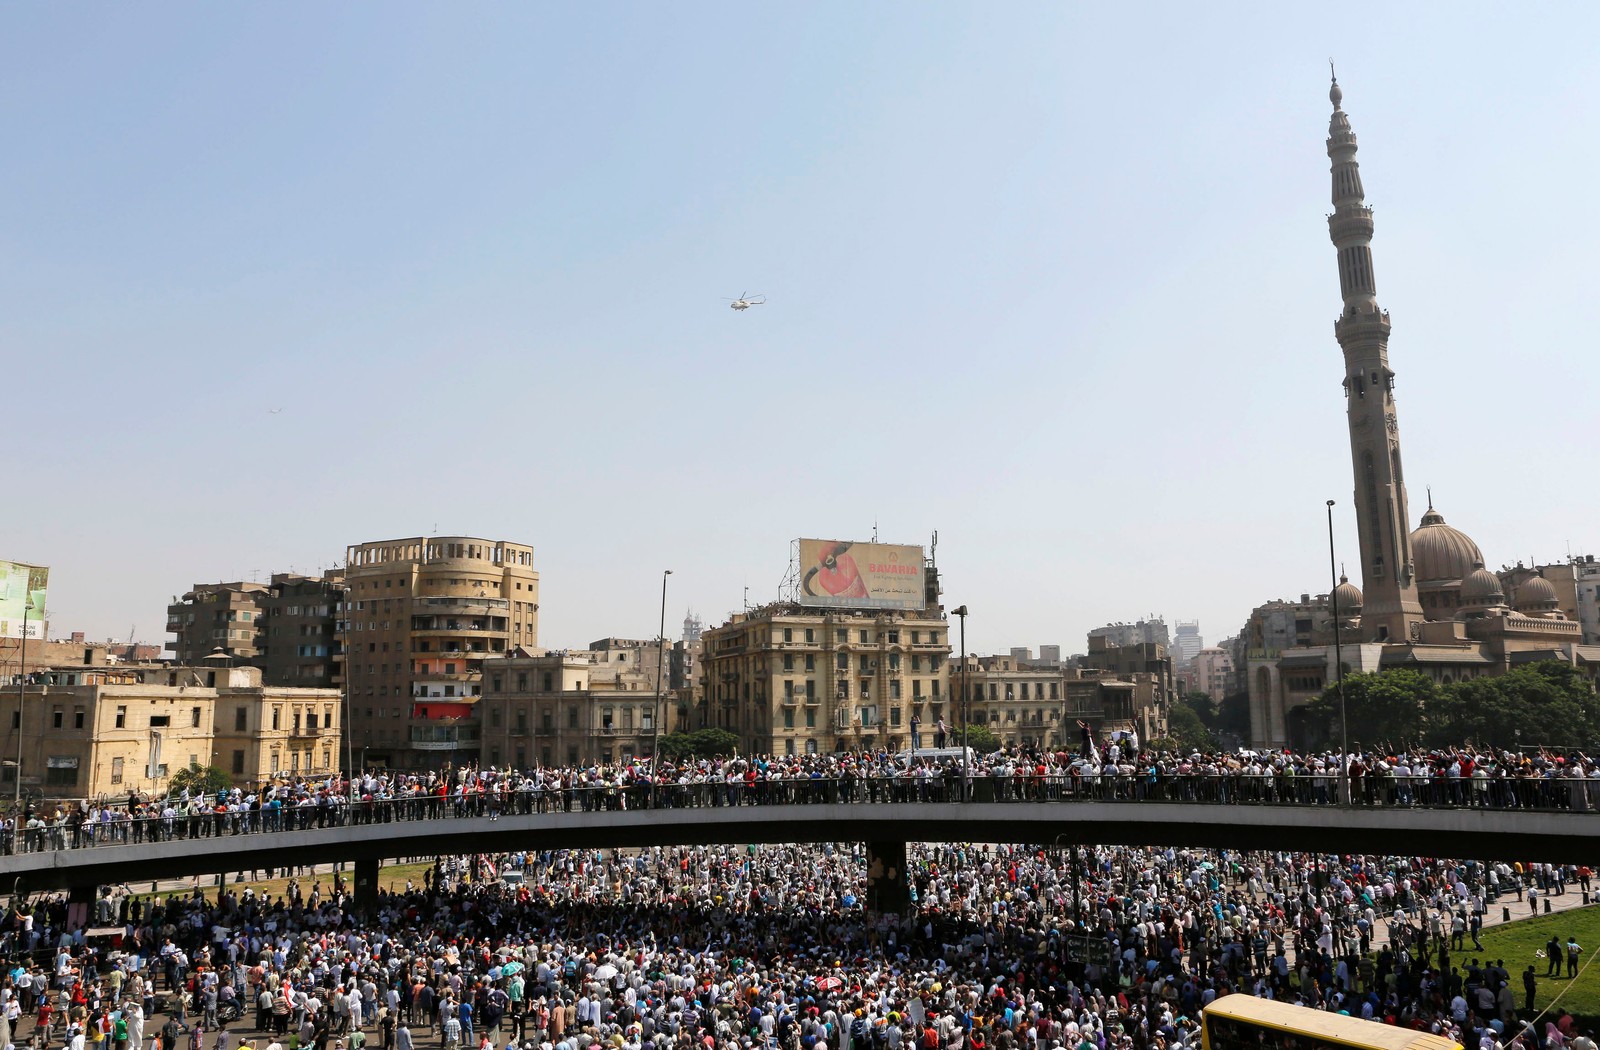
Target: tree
1546, 703
201, 780
1381, 708
702, 743
1233, 717
1186, 729
1203, 706
980, 738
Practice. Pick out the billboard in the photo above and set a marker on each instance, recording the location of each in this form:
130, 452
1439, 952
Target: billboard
841, 574
22, 590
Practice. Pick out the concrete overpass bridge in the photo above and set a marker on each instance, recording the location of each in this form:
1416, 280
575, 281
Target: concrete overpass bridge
1486, 834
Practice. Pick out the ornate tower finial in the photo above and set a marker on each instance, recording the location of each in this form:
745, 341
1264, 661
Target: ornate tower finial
1430, 497
1334, 94
1383, 523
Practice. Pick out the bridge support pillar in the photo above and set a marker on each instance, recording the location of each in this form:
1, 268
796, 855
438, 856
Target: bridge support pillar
887, 888
366, 888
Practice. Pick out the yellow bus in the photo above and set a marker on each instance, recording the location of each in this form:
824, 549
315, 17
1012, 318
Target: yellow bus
1243, 1022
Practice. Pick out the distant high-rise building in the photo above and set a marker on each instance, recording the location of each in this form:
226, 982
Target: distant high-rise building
1213, 672
1145, 632
1186, 642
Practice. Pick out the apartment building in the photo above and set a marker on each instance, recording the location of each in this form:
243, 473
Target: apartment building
420, 618
300, 643
787, 679
568, 708
217, 620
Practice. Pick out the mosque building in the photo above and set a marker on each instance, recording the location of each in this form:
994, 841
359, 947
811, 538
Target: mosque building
1426, 599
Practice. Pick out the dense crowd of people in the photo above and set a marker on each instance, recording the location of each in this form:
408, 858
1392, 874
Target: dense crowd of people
1456, 777
727, 948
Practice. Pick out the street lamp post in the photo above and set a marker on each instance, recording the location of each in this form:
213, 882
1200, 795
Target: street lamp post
966, 712
1338, 663
655, 721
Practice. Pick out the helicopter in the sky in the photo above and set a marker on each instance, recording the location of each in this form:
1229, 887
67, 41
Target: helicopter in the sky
746, 301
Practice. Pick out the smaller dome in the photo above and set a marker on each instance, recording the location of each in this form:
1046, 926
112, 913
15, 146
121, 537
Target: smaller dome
1348, 596
1536, 594
1482, 587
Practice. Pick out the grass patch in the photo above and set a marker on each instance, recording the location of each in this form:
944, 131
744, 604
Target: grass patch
390, 877
1516, 942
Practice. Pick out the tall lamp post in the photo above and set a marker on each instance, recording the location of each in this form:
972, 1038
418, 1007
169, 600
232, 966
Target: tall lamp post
961, 611
655, 722
1338, 663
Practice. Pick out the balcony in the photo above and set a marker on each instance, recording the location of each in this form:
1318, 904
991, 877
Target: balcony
444, 738
460, 606
432, 625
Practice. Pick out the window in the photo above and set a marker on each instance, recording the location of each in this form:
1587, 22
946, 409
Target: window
61, 770
55, 718
788, 634
116, 770
788, 718
810, 635
77, 718
788, 661
572, 719
160, 721
863, 637
241, 719
238, 762
194, 716
811, 662
277, 723
122, 717
811, 718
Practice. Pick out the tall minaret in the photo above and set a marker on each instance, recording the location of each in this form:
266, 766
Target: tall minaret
1387, 579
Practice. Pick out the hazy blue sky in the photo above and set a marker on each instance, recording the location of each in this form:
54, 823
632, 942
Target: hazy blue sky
1052, 279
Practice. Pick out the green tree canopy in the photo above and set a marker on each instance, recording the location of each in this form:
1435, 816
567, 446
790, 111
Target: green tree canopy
1382, 708
1203, 706
200, 780
980, 738
1546, 703
702, 743
1186, 729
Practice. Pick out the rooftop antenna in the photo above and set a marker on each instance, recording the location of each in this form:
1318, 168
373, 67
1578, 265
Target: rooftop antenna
1430, 497
874, 530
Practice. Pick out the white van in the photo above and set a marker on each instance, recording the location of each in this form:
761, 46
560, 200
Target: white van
939, 756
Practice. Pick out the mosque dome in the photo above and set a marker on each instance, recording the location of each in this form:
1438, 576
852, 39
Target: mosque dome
1482, 588
1440, 552
1537, 595
1349, 597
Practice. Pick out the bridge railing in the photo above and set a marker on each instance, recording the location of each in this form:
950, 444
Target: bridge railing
113, 827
